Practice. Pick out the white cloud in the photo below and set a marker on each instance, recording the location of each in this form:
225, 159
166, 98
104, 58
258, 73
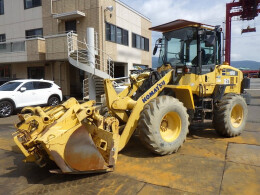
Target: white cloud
236, 56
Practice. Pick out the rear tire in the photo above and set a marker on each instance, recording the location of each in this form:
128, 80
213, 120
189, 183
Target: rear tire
230, 115
54, 101
6, 108
163, 125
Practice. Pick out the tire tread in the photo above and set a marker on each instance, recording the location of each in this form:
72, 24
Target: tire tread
221, 115
145, 123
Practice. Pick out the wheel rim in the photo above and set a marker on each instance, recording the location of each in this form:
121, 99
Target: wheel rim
5, 109
170, 127
237, 115
54, 102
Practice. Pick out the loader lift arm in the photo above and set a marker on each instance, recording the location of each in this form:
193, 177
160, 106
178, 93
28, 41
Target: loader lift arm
118, 104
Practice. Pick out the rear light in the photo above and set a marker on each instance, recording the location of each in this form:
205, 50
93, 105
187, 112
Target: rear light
59, 88
187, 70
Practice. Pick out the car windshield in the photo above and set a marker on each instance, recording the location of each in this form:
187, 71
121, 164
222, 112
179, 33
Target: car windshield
10, 86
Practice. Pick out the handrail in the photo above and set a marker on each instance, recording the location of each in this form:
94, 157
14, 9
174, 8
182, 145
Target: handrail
103, 61
15, 46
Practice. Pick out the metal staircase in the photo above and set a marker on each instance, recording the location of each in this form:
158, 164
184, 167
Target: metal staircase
79, 54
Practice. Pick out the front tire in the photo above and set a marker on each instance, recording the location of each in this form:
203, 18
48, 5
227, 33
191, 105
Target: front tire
163, 125
230, 115
6, 108
54, 101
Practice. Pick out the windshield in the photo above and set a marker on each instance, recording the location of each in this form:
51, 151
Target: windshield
10, 86
179, 47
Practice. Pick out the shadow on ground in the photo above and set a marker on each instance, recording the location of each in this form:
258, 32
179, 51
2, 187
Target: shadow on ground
136, 149
14, 171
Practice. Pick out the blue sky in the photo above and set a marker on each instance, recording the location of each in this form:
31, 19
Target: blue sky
244, 47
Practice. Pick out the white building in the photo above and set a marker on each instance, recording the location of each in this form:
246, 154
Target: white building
34, 43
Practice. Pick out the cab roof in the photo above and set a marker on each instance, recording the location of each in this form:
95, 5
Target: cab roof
178, 24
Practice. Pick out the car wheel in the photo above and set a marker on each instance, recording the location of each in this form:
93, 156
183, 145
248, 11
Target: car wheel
6, 108
53, 101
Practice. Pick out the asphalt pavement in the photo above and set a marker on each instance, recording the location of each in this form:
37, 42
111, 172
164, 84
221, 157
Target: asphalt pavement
206, 164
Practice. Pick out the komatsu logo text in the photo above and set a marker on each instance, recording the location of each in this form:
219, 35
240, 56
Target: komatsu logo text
154, 91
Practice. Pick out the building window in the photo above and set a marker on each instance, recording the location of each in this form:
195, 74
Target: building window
125, 37
32, 3
2, 11
146, 44
34, 33
35, 72
140, 42
116, 34
119, 35
5, 71
2, 39
113, 33
71, 26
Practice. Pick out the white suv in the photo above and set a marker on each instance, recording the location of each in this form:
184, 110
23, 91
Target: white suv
28, 92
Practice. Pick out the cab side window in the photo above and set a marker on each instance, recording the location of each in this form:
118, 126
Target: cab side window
207, 54
207, 44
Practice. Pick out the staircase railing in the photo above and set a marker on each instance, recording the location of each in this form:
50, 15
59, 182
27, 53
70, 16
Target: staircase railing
80, 52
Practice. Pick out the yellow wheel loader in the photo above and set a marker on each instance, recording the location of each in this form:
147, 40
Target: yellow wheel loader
190, 86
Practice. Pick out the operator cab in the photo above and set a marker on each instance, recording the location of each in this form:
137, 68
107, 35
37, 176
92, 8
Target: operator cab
191, 45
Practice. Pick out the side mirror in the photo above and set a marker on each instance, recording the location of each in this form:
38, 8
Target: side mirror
23, 89
155, 49
157, 43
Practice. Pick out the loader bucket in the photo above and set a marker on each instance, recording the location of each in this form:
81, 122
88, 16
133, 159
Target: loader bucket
78, 154
75, 137
81, 153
